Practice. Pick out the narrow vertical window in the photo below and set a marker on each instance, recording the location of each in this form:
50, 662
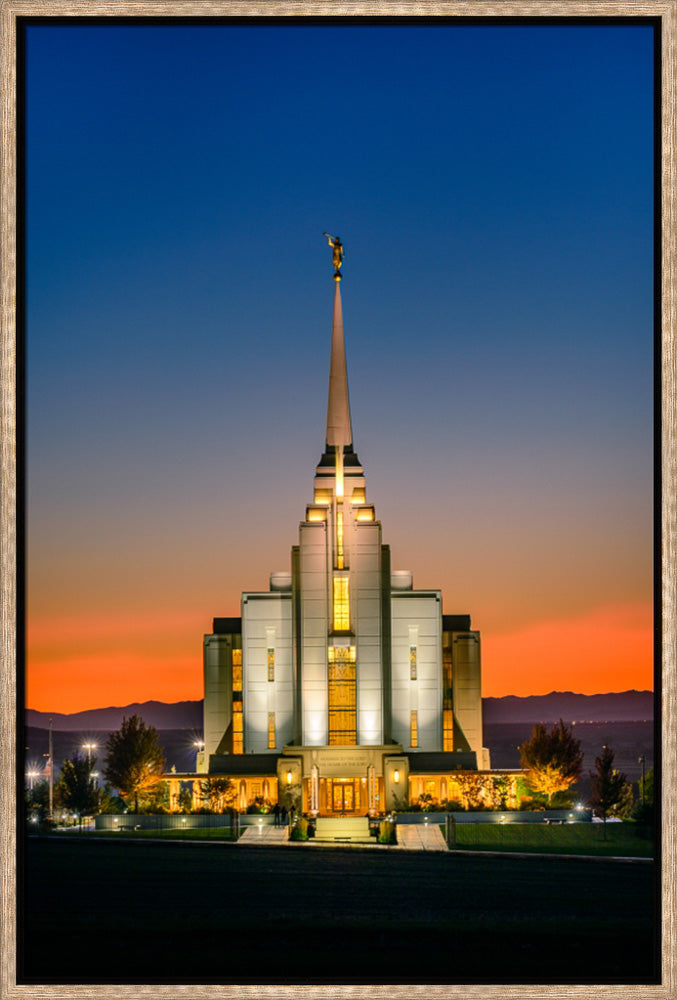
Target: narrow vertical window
412, 662
271, 664
238, 725
447, 701
342, 696
341, 604
339, 539
271, 730
414, 729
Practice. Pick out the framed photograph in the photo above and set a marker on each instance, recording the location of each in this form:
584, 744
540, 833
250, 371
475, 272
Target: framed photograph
338, 499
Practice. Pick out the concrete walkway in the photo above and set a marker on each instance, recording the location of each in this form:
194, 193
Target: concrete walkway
268, 835
420, 837
410, 837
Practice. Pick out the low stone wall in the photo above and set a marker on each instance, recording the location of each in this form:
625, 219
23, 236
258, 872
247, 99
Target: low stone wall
161, 821
504, 815
257, 819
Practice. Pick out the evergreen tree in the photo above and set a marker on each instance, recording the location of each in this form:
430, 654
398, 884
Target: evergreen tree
37, 802
553, 760
135, 761
75, 789
608, 785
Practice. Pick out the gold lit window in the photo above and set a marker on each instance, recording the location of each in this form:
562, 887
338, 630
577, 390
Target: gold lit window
447, 729
238, 728
412, 662
339, 539
271, 664
271, 730
238, 723
447, 702
341, 604
414, 729
342, 696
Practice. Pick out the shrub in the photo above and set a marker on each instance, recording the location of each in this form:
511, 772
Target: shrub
387, 832
452, 805
259, 805
534, 804
299, 830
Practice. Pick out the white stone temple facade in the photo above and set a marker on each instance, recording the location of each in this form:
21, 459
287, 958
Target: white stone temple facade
341, 680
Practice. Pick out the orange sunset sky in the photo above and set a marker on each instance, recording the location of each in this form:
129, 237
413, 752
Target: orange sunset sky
498, 322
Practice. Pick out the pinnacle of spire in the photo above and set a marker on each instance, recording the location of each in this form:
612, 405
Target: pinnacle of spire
339, 428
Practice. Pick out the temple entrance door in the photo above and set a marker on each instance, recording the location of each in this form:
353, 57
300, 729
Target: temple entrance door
343, 797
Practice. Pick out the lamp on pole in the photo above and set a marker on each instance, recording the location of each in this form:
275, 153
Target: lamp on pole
89, 747
51, 773
642, 761
31, 775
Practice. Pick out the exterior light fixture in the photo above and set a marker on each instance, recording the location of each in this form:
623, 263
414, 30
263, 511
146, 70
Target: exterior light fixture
289, 777
183, 820
396, 776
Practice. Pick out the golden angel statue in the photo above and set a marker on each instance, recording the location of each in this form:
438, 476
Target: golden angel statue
335, 242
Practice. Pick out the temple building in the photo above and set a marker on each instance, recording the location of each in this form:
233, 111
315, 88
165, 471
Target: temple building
341, 683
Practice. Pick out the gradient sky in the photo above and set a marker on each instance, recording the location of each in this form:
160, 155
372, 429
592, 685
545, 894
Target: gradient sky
493, 188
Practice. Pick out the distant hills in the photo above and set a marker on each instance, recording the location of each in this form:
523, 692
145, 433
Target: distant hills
179, 715
626, 706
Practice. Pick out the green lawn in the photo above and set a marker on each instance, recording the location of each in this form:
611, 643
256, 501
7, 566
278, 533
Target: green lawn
196, 833
622, 839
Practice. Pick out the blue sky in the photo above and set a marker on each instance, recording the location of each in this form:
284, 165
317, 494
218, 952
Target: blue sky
493, 188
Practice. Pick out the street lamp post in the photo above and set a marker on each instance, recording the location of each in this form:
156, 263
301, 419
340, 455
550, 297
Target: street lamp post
89, 747
642, 761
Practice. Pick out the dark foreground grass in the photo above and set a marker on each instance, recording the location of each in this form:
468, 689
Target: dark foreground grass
190, 833
102, 911
622, 839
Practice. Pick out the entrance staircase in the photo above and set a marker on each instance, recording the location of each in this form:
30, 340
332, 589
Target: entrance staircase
343, 829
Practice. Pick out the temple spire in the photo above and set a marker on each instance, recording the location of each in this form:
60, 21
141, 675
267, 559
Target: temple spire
339, 428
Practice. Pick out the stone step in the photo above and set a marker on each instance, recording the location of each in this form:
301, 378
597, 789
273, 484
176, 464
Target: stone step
342, 828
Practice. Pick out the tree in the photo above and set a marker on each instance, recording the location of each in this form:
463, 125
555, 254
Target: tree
608, 785
644, 810
553, 760
645, 786
37, 803
76, 790
218, 794
135, 761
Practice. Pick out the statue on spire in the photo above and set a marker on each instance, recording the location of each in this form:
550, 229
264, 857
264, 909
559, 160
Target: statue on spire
335, 242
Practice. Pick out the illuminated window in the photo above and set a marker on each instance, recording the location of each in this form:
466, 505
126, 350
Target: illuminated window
412, 662
238, 724
341, 604
447, 704
447, 729
414, 729
271, 664
342, 696
271, 730
313, 514
339, 539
